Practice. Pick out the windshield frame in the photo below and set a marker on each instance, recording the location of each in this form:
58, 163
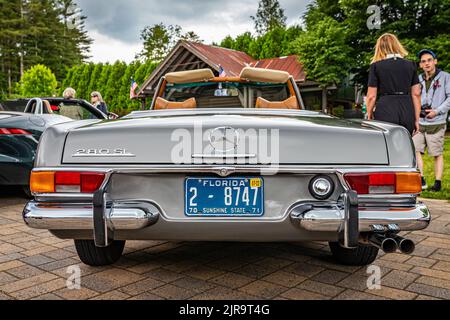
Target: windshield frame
292, 87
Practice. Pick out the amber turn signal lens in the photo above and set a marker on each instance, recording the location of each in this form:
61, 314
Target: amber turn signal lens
42, 182
408, 183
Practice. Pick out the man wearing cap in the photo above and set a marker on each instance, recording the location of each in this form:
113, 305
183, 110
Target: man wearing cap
433, 120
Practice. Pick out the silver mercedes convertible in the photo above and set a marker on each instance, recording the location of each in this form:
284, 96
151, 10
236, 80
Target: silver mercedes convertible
228, 159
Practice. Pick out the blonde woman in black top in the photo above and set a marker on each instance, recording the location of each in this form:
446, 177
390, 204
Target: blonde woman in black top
395, 81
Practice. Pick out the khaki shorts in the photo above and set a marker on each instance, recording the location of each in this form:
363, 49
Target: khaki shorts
434, 142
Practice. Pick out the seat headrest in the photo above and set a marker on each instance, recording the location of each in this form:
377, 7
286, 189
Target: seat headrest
162, 104
290, 103
264, 75
47, 107
190, 76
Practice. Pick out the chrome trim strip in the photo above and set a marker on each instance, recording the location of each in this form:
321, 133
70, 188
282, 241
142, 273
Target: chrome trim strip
224, 156
136, 168
125, 155
77, 197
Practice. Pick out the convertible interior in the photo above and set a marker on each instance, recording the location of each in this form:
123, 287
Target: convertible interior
254, 88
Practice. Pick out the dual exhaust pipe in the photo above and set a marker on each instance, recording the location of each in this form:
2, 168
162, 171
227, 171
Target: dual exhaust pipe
390, 244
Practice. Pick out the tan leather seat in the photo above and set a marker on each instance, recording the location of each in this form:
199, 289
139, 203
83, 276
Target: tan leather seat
290, 103
162, 104
47, 108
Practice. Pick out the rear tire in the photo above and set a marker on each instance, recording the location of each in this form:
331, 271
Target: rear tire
94, 256
361, 256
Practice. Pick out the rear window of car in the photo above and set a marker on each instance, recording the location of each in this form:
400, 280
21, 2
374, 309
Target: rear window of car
227, 94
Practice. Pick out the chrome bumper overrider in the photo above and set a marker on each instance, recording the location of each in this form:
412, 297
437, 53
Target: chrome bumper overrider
332, 218
121, 215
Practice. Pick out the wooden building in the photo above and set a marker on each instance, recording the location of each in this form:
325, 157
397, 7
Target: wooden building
191, 55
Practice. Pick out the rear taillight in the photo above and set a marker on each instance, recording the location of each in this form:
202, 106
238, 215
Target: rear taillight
66, 182
384, 183
13, 132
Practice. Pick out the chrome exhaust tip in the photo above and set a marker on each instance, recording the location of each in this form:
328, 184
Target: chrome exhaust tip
388, 245
405, 246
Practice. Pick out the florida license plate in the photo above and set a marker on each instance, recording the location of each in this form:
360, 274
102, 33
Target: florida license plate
227, 197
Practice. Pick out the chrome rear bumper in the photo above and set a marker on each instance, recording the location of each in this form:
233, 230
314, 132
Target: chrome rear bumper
311, 217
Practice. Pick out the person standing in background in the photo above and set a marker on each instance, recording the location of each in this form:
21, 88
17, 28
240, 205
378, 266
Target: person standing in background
71, 111
97, 101
69, 93
395, 80
433, 117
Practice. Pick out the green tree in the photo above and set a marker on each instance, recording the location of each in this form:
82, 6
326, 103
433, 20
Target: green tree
11, 30
67, 81
144, 71
95, 78
190, 36
227, 42
75, 37
85, 80
243, 42
417, 23
38, 81
36, 32
76, 78
276, 43
124, 93
160, 39
270, 15
113, 85
103, 81
324, 52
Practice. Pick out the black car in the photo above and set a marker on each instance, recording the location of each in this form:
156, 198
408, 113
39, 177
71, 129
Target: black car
22, 123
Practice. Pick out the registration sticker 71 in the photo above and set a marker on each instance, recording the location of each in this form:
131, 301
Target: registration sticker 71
255, 183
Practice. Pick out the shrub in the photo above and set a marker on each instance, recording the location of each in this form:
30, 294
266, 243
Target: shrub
38, 81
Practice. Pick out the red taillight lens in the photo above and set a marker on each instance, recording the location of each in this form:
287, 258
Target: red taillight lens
68, 178
91, 182
13, 131
358, 182
373, 183
384, 183
67, 182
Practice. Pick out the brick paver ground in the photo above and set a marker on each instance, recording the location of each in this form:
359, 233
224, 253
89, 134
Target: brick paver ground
33, 265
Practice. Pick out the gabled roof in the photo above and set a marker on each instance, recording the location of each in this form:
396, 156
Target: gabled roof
289, 64
232, 61
192, 55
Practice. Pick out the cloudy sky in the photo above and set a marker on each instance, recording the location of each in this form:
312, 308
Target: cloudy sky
115, 25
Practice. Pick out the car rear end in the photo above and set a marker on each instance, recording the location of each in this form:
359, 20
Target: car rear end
124, 185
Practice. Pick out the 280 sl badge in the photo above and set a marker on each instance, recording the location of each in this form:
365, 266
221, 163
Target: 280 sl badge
120, 152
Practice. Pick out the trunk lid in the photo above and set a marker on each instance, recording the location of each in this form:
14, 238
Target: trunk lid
256, 138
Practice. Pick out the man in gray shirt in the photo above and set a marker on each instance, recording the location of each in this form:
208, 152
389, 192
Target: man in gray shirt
433, 123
